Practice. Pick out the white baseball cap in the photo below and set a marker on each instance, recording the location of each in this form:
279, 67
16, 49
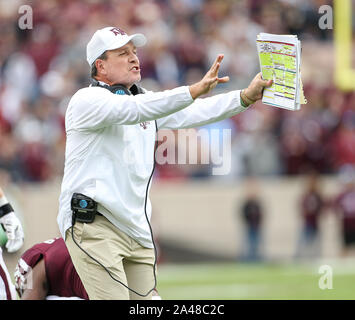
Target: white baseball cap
110, 38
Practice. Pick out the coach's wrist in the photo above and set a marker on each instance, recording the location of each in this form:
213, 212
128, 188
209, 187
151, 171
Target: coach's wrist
245, 101
195, 90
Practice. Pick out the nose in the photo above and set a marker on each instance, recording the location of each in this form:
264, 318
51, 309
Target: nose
133, 57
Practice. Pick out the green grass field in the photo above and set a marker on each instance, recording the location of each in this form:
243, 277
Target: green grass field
255, 281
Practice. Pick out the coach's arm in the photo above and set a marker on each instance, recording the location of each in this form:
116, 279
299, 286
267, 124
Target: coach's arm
215, 108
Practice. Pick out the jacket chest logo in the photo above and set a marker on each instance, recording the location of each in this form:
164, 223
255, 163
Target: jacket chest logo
144, 124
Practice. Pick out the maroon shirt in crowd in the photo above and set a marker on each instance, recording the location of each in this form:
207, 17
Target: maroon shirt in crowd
345, 203
312, 206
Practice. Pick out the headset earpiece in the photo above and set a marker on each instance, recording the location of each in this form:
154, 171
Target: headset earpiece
119, 88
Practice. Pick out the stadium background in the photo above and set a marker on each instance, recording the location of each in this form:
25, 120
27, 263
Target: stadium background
196, 215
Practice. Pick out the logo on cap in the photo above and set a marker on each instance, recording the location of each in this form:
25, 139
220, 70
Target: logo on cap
118, 31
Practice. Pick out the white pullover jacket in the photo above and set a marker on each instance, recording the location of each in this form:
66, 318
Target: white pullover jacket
110, 146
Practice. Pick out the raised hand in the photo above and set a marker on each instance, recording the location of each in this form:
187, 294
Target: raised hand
210, 80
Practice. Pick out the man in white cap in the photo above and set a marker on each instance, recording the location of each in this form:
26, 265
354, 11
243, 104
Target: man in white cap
104, 207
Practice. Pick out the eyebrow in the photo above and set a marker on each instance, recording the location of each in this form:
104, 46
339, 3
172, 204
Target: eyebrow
126, 48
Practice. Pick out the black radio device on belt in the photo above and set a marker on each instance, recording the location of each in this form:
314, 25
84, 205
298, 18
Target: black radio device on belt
84, 208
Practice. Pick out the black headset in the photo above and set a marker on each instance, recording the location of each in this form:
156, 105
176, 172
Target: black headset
119, 88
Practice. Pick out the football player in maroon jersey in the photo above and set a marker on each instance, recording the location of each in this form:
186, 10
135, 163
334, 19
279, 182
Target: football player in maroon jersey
46, 271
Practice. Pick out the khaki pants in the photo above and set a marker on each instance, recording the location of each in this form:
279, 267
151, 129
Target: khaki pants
124, 257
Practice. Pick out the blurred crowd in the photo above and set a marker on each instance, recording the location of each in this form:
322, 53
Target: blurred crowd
41, 68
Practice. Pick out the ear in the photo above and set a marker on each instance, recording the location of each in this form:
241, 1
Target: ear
101, 67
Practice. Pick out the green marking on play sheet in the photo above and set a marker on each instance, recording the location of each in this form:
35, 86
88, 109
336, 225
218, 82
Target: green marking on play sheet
290, 79
266, 59
290, 62
267, 73
279, 88
279, 74
278, 59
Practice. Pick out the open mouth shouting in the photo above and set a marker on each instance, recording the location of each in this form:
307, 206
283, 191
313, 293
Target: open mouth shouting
135, 69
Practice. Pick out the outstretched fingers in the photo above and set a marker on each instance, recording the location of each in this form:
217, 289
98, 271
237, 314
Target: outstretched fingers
216, 64
215, 69
223, 80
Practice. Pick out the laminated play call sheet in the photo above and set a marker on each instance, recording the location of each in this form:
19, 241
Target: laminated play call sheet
280, 61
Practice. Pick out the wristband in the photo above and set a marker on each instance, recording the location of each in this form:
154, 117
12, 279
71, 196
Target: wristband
242, 101
5, 209
245, 101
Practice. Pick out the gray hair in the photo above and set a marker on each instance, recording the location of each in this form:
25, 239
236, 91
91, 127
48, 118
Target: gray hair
93, 66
